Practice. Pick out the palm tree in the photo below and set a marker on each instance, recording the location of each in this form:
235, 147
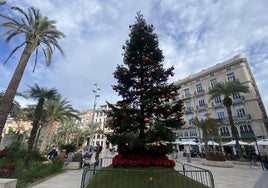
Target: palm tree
208, 127
41, 94
39, 32
57, 111
227, 89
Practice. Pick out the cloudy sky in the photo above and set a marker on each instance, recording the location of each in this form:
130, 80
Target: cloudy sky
193, 34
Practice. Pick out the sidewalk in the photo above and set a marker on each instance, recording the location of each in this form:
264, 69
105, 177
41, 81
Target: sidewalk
236, 177
239, 176
67, 179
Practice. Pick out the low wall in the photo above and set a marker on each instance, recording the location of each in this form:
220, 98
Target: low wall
8, 183
224, 164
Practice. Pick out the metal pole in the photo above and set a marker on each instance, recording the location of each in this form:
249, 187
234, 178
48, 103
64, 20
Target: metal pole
259, 155
93, 113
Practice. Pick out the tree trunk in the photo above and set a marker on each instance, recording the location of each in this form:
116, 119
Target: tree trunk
13, 85
48, 130
37, 117
234, 133
37, 137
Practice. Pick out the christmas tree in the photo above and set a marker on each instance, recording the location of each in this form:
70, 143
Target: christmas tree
144, 120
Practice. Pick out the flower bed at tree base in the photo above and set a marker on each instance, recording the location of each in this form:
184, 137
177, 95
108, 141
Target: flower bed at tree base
132, 160
225, 164
215, 156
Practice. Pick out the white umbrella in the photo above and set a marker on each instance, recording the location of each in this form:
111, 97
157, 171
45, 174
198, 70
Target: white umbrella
232, 143
176, 142
210, 143
262, 142
189, 143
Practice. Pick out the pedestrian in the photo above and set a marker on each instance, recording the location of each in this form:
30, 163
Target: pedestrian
78, 157
87, 157
98, 151
70, 156
62, 155
52, 154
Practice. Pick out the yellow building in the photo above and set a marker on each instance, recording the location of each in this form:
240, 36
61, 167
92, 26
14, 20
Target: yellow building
249, 113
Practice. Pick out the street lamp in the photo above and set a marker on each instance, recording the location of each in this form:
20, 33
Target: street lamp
95, 91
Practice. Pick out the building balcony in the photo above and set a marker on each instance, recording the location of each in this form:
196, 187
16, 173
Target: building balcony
240, 100
237, 119
202, 107
188, 109
199, 92
215, 105
186, 96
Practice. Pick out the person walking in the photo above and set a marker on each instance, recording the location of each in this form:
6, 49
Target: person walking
52, 154
62, 155
78, 157
98, 151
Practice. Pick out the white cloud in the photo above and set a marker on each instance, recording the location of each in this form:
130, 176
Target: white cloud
193, 35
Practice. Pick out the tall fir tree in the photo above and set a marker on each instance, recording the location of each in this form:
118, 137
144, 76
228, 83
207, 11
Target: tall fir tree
144, 120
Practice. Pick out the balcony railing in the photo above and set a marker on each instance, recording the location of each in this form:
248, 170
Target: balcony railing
201, 107
199, 92
219, 104
188, 109
236, 118
239, 100
186, 96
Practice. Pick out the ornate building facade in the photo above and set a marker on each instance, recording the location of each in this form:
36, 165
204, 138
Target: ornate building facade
249, 113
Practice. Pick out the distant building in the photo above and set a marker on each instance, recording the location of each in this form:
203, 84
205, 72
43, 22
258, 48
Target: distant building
249, 113
96, 125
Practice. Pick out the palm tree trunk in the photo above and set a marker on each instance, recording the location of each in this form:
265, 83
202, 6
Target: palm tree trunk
47, 136
37, 117
234, 133
6, 102
37, 137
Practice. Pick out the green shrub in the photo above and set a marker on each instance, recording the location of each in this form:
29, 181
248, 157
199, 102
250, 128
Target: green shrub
69, 147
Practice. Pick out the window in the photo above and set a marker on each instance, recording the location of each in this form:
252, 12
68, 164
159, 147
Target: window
231, 76
213, 82
245, 128
193, 133
224, 130
236, 96
186, 134
201, 102
220, 114
187, 93
180, 134
199, 88
240, 111
188, 105
217, 99
203, 115
189, 117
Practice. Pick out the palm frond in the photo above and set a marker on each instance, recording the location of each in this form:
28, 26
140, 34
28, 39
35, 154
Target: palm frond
35, 59
13, 51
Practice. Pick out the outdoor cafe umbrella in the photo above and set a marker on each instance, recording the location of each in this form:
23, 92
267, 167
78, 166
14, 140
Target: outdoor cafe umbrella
210, 143
232, 143
189, 143
262, 142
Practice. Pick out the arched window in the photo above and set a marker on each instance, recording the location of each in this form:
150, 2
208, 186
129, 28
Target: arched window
98, 136
245, 128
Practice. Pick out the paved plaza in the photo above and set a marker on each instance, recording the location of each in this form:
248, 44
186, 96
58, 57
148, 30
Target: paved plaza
240, 176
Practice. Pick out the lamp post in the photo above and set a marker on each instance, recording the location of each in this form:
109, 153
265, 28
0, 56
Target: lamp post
95, 91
